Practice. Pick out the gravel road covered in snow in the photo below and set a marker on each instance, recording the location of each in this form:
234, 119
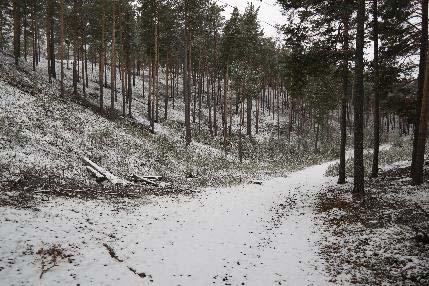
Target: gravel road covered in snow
246, 235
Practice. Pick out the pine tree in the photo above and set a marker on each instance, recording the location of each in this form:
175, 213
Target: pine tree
374, 172
416, 173
422, 132
359, 100
17, 30
62, 45
101, 53
113, 58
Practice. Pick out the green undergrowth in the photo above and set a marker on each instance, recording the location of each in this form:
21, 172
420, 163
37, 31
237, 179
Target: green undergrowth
400, 149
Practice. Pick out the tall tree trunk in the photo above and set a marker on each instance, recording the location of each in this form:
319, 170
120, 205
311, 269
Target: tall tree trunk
225, 109
149, 98
344, 98
113, 60
187, 79
358, 100
129, 75
421, 142
374, 172
25, 31
101, 56
16, 30
156, 83
167, 73
420, 82
83, 48
52, 39
257, 113
62, 46
34, 31
240, 137
249, 116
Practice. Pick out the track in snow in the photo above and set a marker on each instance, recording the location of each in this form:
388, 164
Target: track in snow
245, 235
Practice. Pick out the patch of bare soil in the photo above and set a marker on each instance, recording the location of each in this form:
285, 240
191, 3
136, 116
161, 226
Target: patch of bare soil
379, 237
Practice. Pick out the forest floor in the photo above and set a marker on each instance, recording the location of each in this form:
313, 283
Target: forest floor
295, 230
381, 237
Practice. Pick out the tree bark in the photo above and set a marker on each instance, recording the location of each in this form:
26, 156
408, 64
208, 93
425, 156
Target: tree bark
101, 57
374, 172
421, 142
113, 60
358, 100
16, 30
225, 109
62, 46
187, 79
344, 98
420, 82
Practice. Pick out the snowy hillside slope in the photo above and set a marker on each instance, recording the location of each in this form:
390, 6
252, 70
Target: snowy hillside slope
45, 134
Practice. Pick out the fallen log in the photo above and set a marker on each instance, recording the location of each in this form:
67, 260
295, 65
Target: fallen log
97, 175
109, 176
153, 178
137, 178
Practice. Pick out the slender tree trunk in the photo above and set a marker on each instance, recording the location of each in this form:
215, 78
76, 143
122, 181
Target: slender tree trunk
240, 137
359, 100
25, 31
249, 116
257, 113
167, 71
421, 142
278, 114
16, 30
86, 69
210, 98
420, 82
52, 39
187, 79
225, 109
101, 56
343, 122
113, 60
156, 83
316, 150
374, 172
34, 31
62, 46
83, 65
149, 98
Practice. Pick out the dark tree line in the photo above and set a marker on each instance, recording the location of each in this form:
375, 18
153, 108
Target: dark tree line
330, 27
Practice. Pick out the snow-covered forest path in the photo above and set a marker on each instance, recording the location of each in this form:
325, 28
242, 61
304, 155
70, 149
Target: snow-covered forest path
247, 235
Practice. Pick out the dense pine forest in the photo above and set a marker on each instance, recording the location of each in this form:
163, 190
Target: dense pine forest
115, 101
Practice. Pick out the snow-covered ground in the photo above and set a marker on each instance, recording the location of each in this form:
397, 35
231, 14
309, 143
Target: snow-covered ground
246, 235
